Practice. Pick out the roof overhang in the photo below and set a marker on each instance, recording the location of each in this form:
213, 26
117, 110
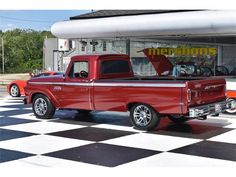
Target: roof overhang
196, 23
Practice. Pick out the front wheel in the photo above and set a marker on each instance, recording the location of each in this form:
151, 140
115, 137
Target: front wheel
178, 118
144, 117
14, 91
42, 107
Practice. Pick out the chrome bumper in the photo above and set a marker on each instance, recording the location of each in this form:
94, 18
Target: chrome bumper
211, 109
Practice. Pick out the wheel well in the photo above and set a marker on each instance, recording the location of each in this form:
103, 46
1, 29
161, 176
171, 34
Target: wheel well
32, 97
13, 84
130, 105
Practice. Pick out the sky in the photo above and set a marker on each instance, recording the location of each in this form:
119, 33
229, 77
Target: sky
34, 19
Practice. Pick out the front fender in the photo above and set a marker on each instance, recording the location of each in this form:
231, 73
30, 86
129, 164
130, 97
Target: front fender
45, 92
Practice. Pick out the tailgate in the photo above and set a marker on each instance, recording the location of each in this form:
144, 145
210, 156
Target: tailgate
206, 91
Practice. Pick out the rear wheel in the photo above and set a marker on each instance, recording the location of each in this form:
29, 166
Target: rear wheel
42, 107
231, 111
178, 118
14, 91
144, 117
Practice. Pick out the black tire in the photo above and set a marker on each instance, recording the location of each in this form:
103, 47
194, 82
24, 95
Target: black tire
178, 118
14, 90
43, 107
149, 117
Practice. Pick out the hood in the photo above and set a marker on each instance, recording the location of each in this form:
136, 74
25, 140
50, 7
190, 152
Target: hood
160, 62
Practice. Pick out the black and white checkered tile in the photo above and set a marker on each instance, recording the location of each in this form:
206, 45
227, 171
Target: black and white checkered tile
106, 139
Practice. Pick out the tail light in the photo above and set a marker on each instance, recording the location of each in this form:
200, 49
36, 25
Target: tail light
189, 95
225, 90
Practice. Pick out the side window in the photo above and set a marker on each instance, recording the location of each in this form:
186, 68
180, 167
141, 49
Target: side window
115, 66
79, 69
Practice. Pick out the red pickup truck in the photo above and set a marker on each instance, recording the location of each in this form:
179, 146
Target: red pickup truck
106, 82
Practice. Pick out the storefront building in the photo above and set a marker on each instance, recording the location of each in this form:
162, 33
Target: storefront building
205, 38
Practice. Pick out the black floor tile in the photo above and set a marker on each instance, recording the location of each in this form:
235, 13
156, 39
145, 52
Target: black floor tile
18, 106
12, 134
211, 149
113, 118
70, 117
103, 154
96, 117
92, 134
189, 130
15, 112
9, 155
4, 121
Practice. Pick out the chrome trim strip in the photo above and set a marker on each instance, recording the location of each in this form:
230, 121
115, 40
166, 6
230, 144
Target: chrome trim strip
137, 85
61, 83
111, 84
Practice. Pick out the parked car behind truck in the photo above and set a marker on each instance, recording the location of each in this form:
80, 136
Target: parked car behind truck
16, 87
107, 82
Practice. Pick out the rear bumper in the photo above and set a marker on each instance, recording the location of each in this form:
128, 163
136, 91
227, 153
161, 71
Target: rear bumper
211, 109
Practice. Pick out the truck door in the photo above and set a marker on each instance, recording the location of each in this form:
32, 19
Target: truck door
76, 87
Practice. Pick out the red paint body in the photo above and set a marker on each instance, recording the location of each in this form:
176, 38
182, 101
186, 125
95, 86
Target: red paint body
231, 94
117, 92
21, 85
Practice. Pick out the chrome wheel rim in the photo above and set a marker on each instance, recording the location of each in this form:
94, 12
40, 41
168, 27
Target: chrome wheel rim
231, 111
14, 90
142, 115
40, 106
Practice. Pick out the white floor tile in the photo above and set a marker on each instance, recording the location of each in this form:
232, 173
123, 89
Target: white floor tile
29, 116
40, 144
228, 137
44, 161
212, 121
151, 141
27, 108
7, 109
10, 103
232, 123
168, 159
43, 127
117, 127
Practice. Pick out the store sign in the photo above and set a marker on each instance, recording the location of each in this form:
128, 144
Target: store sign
183, 51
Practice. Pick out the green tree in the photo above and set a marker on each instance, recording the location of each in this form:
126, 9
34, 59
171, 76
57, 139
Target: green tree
23, 50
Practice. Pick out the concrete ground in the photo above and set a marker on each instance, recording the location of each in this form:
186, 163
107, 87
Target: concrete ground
7, 78
3, 91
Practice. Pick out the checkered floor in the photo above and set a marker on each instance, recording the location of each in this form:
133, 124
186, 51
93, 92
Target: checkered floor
106, 139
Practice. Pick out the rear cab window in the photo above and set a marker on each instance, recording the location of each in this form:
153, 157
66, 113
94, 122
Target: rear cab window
115, 68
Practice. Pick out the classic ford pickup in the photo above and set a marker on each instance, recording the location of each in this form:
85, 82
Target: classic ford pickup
106, 82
